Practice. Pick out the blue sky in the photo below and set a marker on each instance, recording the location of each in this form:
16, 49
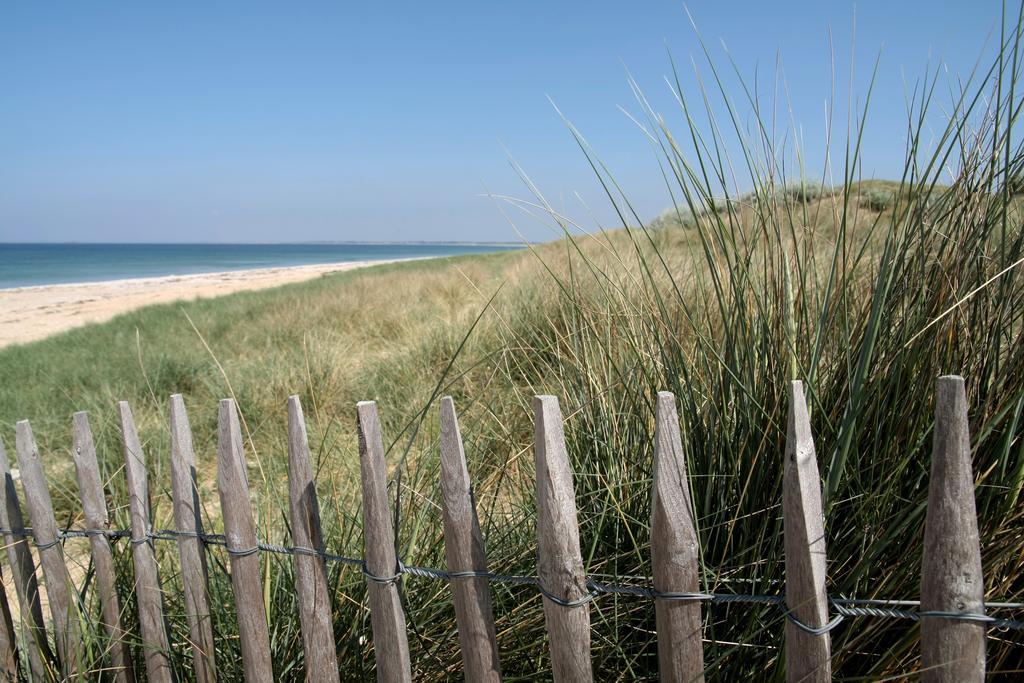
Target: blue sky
263, 121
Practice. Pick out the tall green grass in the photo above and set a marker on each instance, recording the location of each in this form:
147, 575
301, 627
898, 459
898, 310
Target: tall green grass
866, 303
867, 307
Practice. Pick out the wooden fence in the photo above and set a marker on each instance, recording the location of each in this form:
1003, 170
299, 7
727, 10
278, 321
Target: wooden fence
952, 608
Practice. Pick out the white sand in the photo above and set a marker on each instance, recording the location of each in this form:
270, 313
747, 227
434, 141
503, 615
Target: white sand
30, 313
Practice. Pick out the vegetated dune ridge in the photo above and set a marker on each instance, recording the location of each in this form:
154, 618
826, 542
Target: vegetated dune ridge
603, 322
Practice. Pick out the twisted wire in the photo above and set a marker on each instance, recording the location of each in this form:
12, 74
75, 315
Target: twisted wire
843, 607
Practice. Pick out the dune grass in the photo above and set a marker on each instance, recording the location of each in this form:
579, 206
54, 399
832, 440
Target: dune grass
866, 299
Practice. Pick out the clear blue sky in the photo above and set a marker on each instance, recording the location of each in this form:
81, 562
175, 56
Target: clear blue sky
273, 121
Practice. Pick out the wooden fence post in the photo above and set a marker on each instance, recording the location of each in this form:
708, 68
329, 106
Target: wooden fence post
148, 594
387, 618
191, 547
559, 561
952, 579
8, 639
807, 655
94, 506
240, 531
675, 555
310, 569
464, 552
23, 573
59, 590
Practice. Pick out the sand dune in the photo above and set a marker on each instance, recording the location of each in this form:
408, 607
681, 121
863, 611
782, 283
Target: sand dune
30, 313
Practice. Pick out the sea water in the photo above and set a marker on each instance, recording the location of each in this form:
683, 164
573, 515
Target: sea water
24, 265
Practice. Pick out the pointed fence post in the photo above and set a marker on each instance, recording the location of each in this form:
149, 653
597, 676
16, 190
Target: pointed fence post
310, 566
148, 594
390, 641
191, 547
952, 579
8, 640
559, 561
23, 572
807, 654
464, 552
240, 531
675, 556
59, 590
94, 506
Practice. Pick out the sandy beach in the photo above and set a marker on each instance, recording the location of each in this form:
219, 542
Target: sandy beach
30, 313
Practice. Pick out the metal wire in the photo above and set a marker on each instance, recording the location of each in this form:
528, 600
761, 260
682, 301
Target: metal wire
843, 607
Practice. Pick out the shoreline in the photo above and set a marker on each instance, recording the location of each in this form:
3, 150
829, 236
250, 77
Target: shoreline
34, 312
174, 277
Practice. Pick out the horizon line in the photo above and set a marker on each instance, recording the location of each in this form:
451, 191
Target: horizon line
304, 242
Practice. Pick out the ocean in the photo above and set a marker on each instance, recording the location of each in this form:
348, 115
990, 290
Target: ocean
24, 265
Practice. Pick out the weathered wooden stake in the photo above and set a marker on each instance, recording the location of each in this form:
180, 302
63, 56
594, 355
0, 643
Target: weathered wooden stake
148, 595
386, 616
310, 569
60, 592
559, 561
675, 558
951, 577
8, 639
191, 548
23, 572
807, 654
94, 506
464, 552
240, 530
